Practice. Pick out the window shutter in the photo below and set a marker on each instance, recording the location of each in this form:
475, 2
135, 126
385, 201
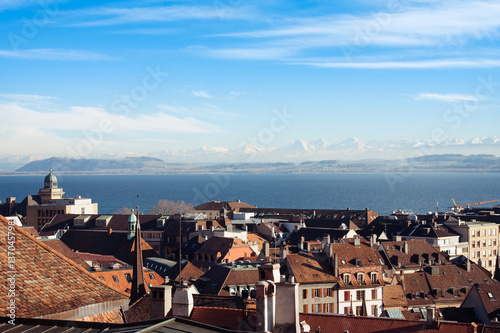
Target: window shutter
304, 308
347, 295
312, 294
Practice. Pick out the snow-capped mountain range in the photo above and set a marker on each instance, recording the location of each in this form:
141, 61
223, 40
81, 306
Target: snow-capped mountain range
300, 150
348, 149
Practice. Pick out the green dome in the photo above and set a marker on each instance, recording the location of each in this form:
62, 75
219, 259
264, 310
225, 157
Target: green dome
50, 180
132, 218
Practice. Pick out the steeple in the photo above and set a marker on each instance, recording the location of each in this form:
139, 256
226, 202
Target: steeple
496, 275
138, 287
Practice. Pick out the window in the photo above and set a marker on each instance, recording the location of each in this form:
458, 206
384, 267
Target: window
360, 278
329, 308
484, 232
490, 242
484, 253
473, 245
347, 278
101, 277
374, 278
128, 277
317, 292
115, 278
478, 243
328, 292
473, 233
151, 276
347, 296
360, 295
473, 254
494, 232
304, 293
489, 232
305, 308
317, 308
374, 293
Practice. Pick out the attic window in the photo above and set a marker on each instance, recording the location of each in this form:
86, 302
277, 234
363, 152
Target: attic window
151, 276
470, 281
295, 260
308, 260
342, 261
128, 277
370, 260
485, 280
490, 296
101, 277
115, 278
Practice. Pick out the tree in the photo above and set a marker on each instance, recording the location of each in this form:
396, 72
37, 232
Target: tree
167, 207
124, 211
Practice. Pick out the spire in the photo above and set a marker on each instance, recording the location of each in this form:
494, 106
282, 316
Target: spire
138, 286
496, 276
364, 310
132, 223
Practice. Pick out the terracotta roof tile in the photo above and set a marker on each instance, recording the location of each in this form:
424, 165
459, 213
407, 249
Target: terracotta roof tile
342, 323
310, 268
62, 248
394, 296
46, 281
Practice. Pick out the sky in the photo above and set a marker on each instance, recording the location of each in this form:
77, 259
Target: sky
90, 78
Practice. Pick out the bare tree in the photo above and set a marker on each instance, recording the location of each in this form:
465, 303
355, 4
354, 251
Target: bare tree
166, 207
124, 211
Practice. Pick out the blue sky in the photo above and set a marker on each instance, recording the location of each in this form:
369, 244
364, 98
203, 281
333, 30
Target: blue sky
90, 78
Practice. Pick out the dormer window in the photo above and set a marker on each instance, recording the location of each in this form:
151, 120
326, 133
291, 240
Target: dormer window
358, 262
347, 278
374, 277
360, 278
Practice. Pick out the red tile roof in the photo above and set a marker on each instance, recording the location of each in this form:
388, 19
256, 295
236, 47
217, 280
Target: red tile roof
118, 279
343, 323
46, 281
310, 268
62, 248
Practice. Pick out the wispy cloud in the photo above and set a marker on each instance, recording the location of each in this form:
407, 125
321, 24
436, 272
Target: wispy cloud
20, 98
412, 27
450, 98
106, 16
411, 64
201, 93
55, 54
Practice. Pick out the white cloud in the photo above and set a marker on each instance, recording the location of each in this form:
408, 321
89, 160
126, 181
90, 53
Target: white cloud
412, 26
31, 131
201, 93
451, 98
105, 16
414, 64
55, 54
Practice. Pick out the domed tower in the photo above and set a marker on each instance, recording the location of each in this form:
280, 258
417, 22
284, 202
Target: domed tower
132, 221
50, 191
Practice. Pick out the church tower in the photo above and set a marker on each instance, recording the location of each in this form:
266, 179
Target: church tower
132, 222
50, 191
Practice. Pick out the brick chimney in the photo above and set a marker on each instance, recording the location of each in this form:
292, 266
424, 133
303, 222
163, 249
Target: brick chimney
269, 272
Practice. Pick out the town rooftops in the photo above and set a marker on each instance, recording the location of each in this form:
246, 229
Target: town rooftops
310, 268
47, 283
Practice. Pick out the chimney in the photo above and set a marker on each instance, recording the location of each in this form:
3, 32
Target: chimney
308, 246
284, 252
266, 249
11, 203
183, 302
269, 272
301, 243
336, 265
287, 308
265, 306
373, 240
434, 270
398, 238
161, 301
403, 284
430, 317
357, 241
406, 247
467, 264
325, 242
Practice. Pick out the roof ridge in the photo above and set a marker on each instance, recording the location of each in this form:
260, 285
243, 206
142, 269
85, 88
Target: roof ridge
61, 256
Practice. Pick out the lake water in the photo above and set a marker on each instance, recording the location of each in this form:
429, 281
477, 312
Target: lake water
381, 193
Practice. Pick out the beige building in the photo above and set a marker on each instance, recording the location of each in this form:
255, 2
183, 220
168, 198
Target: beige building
483, 241
49, 202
